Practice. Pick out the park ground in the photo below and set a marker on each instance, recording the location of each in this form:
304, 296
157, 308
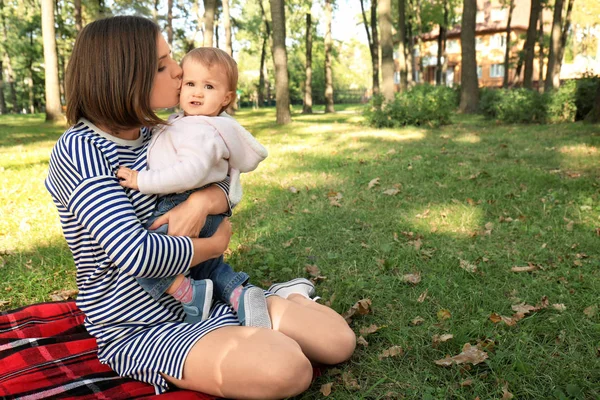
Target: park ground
471, 234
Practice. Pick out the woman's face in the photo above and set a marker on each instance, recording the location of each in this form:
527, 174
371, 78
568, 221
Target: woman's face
167, 81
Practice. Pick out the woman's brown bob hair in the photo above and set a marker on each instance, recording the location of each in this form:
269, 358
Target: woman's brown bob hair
111, 71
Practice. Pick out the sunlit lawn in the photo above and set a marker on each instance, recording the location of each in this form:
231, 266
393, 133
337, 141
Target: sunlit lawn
473, 194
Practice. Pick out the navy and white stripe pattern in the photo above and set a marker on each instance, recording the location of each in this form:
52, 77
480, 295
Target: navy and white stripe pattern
102, 223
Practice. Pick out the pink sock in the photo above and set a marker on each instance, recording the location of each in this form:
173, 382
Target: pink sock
185, 291
234, 299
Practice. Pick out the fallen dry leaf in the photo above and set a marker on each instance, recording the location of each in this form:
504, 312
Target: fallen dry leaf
293, 189
444, 314
391, 352
60, 295
362, 341
488, 228
466, 382
417, 320
326, 389
437, 339
425, 214
391, 192
371, 329
412, 278
350, 382
529, 268
373, 183
312, 270
559, 307
467, 266
423, 296
506, 395
569, 226
361, 307
470, 354
4, 303
288, 243
590, 311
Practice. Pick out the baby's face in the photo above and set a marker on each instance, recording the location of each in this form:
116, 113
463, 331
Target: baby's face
204, 91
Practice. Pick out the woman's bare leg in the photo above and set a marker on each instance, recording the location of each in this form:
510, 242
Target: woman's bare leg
246, 363
322, 333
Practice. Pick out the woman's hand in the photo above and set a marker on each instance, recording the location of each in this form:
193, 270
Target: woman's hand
214, 246
188, 218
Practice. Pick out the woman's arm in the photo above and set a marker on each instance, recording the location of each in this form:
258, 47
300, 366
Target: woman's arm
188, 218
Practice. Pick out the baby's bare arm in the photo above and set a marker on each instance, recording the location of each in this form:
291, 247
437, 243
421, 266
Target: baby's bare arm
128, 178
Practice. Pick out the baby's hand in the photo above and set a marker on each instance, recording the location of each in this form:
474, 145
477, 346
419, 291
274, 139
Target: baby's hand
128, 178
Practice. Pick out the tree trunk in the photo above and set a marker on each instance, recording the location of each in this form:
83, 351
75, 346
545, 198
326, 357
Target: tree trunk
384, 10
261, 79
402, 44
373, 40
2, 100
263, 83
529, 46
507, 44
209, 22
552, 77
77, 14
440, 55
307, 106
410, 52
53, 106
419, 70
469, 94
328, 71
541, 49
170, 23
594, 114
563, 37
30, 89
227, 27
282, 90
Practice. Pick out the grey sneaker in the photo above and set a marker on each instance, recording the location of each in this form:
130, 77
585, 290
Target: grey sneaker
198, 309
299, 286
252, 310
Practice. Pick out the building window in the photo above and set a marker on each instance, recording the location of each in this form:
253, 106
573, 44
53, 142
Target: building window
498, 41
479, 43
480, 17
452, 47
498, 14
479, 71
497, 71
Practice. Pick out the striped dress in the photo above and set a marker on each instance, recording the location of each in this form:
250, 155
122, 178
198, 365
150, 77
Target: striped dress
137, 336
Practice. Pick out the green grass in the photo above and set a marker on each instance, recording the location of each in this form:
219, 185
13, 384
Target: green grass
452, 181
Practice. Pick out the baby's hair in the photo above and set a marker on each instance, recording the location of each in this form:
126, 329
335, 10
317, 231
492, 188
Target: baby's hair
212, 56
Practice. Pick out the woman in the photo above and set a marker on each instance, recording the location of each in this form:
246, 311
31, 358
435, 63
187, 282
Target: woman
120, 71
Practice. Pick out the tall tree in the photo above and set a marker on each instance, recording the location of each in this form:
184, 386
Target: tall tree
384, 9
7, 61
529, 46
328, 72
558, 39
209, 22
170, 23
511, 7
307, 106
77, 14
373, 38
402, 44
541, 48
53, 106
282, 90
469, 91
2, 100
440, 71
227, 27
263, 84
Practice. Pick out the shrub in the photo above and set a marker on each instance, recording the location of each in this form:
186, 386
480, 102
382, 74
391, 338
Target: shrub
488, 99
560, 104
585, 95
420, 105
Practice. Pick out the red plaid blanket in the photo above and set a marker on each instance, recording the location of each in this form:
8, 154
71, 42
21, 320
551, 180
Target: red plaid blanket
45, 352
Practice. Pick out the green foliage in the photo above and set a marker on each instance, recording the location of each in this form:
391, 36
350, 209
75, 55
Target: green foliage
585, 95
571, 102
421, 105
